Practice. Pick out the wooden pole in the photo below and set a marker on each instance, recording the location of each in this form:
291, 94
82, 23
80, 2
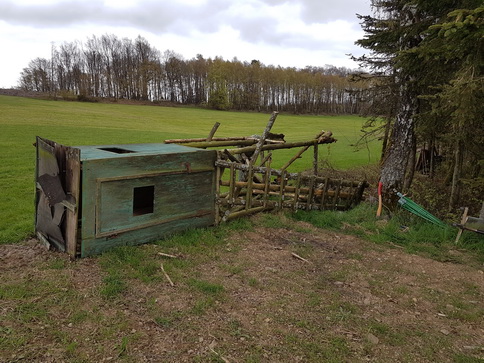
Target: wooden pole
300, 152
213, 131
221, 143
303, 197
336, 194
293, 176
267, 181
202, 139
310, 193
250, 181
325, 193
463, 222
281, 190
246, 212
218, 176
296, 191
315, 159
230, 156
232, 184
287, 145
263, 138
264, 160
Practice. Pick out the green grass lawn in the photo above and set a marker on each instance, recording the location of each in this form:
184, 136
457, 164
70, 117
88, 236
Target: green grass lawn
74, 123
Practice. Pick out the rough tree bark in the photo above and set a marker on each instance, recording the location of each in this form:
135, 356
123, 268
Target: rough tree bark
410, 166
394, 166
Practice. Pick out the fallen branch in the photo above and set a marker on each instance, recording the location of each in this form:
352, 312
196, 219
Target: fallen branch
167, 255
166, 275
299, 257
219, 355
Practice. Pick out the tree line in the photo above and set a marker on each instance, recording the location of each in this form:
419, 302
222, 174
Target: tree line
110, 67
426, 85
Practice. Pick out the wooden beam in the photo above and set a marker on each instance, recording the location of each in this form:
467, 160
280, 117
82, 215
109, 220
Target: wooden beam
277, 172
300, 152
288, 145
263, 138
213, 131
202, 139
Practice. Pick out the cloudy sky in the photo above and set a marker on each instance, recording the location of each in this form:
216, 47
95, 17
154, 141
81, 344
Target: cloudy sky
289, 33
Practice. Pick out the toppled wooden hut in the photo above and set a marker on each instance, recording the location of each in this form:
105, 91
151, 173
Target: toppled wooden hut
92, 198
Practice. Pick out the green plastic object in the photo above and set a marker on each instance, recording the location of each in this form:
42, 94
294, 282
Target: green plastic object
412, 207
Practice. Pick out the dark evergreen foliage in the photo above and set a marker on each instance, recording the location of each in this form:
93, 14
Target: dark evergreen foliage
425, 64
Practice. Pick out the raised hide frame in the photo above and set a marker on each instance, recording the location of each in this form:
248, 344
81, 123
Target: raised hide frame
119, 195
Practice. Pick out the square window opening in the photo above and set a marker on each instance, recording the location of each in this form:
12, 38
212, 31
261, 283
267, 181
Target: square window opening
143, 200
116, 150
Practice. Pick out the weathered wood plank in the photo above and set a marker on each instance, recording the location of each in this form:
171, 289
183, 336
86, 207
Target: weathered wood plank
73, 179
173, 195
288, 145
158, 232
132, 167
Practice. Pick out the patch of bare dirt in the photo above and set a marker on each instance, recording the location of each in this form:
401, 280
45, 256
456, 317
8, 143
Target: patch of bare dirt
351, 300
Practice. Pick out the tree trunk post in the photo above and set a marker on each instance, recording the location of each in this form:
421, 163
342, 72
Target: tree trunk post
394, 167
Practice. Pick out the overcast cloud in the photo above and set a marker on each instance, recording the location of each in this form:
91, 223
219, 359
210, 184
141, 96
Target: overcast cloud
293, 33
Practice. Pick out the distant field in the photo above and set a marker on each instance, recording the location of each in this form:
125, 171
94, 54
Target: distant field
73, 123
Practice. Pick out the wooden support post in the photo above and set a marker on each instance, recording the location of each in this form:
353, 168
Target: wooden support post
213, 131
296, 192
267, 182
310, 193
250, 181
324, 194
281, 190
462, 222
218, 176
315, 159
232, 184
303, 149
264, 160
336, 194
230, 156
361, 189
262, 140
295, 157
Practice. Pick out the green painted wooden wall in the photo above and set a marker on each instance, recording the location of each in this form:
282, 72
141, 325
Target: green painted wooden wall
176, 184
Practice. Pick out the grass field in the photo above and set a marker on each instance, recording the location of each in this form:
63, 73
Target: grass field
73, 123
368, 289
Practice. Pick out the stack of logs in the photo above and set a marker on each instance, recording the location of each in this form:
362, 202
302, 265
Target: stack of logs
252, 186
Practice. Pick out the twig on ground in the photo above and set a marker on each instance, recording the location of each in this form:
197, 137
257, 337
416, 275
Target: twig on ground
166, 275
167, 255
395, 245
218, 355
299, 257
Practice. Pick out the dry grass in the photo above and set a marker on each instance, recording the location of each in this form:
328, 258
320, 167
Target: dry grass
240, 296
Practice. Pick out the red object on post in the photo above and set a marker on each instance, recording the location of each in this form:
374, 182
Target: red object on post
380, 202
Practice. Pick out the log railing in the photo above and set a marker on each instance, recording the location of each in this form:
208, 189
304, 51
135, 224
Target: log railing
250, 188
